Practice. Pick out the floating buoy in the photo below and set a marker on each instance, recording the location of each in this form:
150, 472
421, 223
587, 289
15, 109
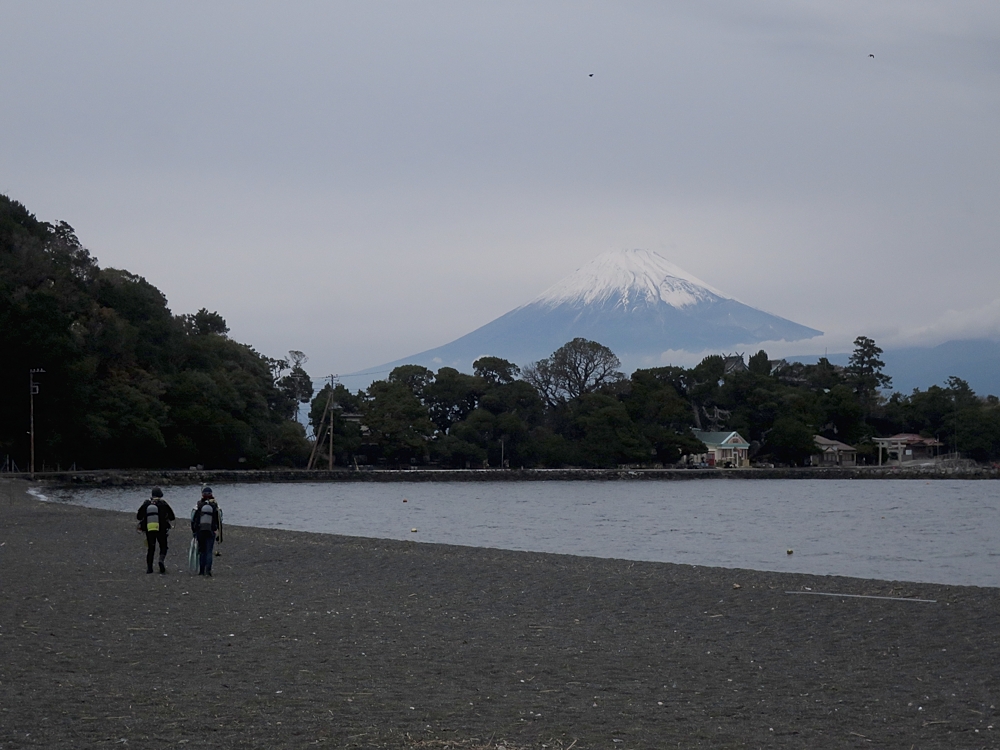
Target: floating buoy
789, 551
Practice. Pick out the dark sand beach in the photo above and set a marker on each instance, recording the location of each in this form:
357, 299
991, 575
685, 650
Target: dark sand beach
304, 640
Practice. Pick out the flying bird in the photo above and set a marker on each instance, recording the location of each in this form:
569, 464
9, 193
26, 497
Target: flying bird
591, 75
872, 56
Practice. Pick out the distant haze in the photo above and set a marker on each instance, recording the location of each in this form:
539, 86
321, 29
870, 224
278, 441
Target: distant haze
976, 361
363, 181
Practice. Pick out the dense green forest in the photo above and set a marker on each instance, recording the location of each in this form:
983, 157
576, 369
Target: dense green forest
122, 382
576, 409
126, 383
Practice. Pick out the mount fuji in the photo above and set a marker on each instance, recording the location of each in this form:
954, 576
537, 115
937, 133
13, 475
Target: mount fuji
635, 302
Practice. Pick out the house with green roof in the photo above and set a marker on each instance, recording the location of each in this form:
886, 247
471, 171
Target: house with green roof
725, 449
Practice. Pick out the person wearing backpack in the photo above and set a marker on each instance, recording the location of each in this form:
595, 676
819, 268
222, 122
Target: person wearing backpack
154, 517
206, 523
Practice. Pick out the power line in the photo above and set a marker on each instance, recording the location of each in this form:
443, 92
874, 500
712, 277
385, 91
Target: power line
352, 375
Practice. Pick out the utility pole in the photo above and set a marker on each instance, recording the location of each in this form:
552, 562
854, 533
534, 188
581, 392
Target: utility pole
333, 406
322, 432
32, 391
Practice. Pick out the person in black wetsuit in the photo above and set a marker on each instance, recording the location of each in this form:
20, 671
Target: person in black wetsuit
206, 522
154, 517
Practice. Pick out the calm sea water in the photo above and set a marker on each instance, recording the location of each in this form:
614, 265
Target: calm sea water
910, 530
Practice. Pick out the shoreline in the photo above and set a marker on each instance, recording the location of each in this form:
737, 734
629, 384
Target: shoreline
169, 477
834, 529
303, 639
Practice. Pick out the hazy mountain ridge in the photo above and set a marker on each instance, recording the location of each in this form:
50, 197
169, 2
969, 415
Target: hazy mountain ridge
976, 361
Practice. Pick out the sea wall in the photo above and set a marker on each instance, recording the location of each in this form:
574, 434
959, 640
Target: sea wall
125, 478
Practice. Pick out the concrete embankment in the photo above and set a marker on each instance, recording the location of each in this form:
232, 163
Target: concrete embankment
125, 478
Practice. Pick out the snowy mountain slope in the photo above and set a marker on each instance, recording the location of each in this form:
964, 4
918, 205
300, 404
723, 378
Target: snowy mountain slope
633, 301
629, 278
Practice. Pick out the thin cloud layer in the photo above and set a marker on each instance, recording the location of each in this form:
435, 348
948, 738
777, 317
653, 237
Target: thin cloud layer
365, 181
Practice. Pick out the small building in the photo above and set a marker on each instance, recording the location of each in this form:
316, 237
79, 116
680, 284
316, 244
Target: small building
725, 449
777, 365
906, 447
733, 363
833, 453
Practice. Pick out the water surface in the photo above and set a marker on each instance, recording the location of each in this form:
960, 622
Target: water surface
938, 531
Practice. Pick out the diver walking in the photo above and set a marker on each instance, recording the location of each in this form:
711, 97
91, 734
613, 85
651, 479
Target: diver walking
154, 517
206, 522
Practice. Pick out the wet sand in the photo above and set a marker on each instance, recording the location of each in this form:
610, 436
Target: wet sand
304, 640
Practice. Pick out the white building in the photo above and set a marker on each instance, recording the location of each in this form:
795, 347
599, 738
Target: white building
725, 449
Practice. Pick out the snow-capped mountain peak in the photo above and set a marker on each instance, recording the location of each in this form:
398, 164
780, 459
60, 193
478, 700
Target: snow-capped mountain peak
628, 279
635, 302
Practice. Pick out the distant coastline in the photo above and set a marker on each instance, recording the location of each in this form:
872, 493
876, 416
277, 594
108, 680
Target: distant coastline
127, 478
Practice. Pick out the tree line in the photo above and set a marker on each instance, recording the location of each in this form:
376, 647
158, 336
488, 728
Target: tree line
575, 408
123, 381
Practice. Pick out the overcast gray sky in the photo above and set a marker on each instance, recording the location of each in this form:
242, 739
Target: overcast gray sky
366, 180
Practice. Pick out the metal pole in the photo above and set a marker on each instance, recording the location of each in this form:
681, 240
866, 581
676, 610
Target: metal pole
320, 432
31, 431
332, 406
32, 390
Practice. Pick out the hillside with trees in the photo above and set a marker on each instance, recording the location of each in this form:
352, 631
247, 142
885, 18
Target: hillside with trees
575, 408
122, 381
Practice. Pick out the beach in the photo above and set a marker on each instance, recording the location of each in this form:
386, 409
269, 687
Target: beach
303, 640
